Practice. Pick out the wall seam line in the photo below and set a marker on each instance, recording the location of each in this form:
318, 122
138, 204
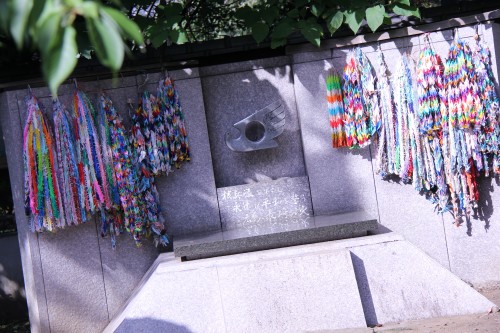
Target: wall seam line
299, 121
210, 148
375, 186
19, 114
446, 243
43, 282
220, 297
102, 268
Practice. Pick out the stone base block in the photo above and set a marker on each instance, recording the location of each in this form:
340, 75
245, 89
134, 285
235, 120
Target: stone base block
288, 232
316, 287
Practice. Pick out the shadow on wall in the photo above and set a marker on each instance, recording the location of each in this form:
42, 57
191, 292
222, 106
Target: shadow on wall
147, 325
232, 96
484, 211
12, 295
311, 88
364, 291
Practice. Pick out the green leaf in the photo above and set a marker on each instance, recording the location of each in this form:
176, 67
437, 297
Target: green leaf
405, 10
19, 13
260, 30
178, 37
277, 42
36, 12
87, 54
334, 22
248, 15
358, 3
404, 2
159, 36
90, 9
329, 12
172, 15
143, 22
72, 3
107, 42
61, 61
4, 16
128, 27
312, 31
282, 30
354, 18
294, 13
317, 9
46, 32
172, 10
270, 14
116, 2
375, 16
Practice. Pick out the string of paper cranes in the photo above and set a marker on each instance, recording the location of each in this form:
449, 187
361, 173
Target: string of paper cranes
434, 123
88, 162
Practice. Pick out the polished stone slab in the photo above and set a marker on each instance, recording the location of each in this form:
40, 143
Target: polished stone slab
399, 282
232, 92
289, 232
281, 290
264, 203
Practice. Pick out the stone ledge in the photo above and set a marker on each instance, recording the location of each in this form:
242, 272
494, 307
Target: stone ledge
288, 233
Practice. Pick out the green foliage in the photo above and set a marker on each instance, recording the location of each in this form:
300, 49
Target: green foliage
334, 21
50, 26
354, 19
260, 30
273, 20
375, 16
64, 30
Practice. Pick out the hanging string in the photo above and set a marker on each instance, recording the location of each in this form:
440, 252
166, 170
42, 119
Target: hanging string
489, 136
465, 120
356, 117
43, 202
431, 105
115, 155
335, 108
370, 94
150, 121
149, 208
464, 106
409, 162
93, 178
429, 87
68, 167
386, 152
171, 111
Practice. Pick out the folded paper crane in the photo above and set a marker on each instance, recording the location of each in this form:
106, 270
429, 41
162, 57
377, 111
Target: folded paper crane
258, 130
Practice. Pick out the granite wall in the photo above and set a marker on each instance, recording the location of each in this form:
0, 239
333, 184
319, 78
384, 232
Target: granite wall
343, 179
76, 282
234, 91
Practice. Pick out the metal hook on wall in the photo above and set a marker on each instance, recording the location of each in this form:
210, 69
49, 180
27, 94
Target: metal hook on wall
456, 37
130, 108
146, 80
476, 30
427, 38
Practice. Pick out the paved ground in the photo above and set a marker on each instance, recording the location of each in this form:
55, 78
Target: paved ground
483, 323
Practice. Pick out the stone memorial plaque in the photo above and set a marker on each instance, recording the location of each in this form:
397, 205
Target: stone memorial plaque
269, 203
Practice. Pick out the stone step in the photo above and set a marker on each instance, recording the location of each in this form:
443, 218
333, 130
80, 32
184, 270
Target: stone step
275, 234
316, 287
